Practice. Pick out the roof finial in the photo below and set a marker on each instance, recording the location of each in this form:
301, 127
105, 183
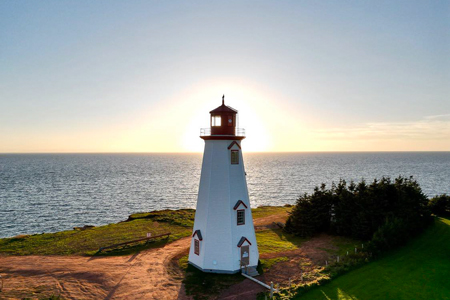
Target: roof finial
223, 99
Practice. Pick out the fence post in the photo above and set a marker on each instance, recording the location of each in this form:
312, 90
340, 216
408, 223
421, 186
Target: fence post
356, 250
338, 258
271, 290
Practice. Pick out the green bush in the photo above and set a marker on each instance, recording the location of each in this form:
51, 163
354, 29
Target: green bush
388, 236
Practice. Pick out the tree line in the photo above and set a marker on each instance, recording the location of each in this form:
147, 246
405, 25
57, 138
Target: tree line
385, 212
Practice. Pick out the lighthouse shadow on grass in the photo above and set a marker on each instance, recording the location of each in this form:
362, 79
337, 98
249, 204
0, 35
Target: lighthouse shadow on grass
203, 285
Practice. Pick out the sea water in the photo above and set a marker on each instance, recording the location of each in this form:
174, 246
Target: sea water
53, 192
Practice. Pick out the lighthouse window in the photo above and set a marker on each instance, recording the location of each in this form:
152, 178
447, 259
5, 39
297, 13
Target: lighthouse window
241, 217
230, 120
234, 157
216, 120
197, 247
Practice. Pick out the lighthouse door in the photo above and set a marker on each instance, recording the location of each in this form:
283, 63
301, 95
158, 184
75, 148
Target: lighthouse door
245, 255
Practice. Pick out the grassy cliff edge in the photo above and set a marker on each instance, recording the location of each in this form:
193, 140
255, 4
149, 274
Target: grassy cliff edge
87, 240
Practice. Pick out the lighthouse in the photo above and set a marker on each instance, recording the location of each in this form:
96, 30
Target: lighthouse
223, 237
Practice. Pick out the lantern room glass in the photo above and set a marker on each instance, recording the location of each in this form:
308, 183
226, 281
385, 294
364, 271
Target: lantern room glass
216, 120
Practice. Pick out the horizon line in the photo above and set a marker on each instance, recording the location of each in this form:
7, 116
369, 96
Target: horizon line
200, 152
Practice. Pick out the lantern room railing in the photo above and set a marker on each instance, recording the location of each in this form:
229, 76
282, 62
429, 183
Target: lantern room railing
207, 132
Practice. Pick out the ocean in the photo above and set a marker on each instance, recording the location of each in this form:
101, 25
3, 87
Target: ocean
53, 192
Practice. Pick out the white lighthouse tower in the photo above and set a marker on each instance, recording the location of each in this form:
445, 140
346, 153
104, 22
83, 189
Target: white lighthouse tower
223, 239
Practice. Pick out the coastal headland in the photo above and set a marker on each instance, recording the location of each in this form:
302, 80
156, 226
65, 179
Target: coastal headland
67, 265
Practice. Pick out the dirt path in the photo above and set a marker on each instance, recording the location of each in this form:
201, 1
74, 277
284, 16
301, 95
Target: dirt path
143, 275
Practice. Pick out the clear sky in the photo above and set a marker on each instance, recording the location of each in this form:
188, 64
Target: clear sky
142, 76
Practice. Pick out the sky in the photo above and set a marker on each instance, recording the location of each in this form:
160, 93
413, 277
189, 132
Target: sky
142, 76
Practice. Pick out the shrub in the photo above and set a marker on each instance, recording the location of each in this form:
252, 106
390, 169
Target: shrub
388, 236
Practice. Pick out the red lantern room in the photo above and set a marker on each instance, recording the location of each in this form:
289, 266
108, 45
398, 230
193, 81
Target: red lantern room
223, 124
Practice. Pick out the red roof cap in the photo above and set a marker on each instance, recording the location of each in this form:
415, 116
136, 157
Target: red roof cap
224, 108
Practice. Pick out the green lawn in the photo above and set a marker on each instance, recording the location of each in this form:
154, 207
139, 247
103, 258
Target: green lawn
420, 270
276, 240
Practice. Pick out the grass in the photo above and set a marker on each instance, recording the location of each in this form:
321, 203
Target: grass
266, 264
344, 245
420, 270
88, 241
183, 262
275, 240
265, 211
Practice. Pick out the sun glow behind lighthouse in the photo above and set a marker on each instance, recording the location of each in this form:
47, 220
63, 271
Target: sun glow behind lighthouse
251, 113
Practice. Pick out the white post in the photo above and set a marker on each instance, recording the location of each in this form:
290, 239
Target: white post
356, 249
326, 263
271, 290
362, 246
347, 252
338, 258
